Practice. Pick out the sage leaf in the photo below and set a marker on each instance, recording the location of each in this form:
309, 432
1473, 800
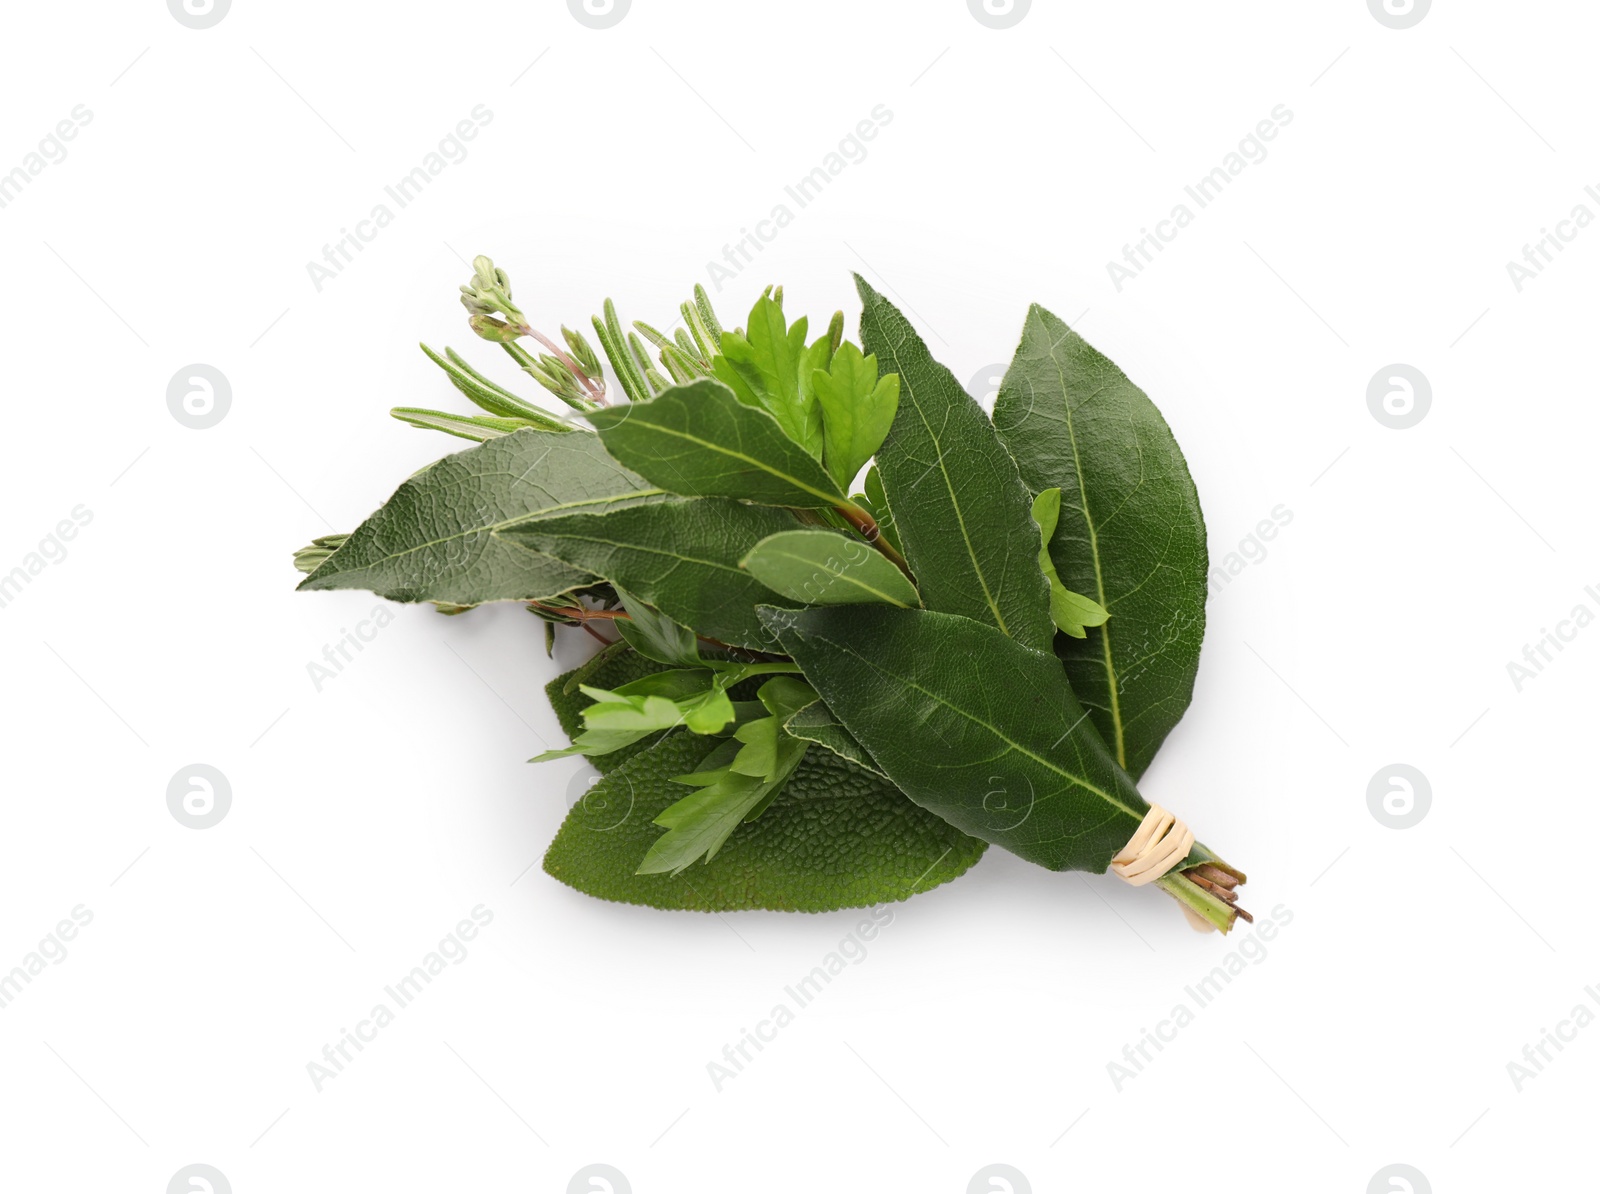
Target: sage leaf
681, 555
817, 567
1131, 535
1072, 612
835, 837
971, 725
960, 508
435, 540
857, 408
699, 440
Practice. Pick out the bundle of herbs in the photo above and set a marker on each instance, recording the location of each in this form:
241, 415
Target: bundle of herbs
855, 629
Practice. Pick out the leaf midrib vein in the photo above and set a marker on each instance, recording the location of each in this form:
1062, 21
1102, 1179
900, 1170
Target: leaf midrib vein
1094, 554
492, 527
955, 505
1076, 780
843, 576
761, 465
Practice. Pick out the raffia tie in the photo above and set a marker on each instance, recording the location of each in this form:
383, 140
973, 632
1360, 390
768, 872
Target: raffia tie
1160, 843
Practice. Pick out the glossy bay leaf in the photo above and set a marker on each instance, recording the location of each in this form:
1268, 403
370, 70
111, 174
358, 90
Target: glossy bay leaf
699, 440
971, 725
1130, 534
960, 508
817, 567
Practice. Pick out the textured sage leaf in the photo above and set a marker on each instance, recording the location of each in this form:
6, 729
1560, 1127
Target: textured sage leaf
699, 440
971, 725
434, 540
857, 408
681, 555
1131, 535
960, 508
836, 837
816, 567
1072, 612
816, 723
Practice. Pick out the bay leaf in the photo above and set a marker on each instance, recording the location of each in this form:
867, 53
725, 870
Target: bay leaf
973, 726
960, 509
699, 440
1130, 534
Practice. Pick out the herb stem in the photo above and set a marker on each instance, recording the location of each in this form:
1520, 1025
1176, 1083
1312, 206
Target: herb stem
582, 616
561, 355
868, 526
1206, 889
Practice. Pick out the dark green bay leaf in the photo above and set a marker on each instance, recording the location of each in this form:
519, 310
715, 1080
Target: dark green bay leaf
700, 441
434, 540
681, 555
972, 726
1130, 534
836, 836
960, 509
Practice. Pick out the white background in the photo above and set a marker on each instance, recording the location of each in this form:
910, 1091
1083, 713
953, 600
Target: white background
371, 816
